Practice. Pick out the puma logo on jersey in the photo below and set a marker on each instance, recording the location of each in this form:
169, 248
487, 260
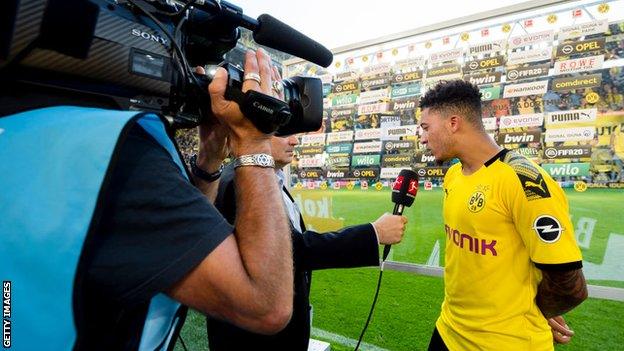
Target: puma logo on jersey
529, 174
535, 185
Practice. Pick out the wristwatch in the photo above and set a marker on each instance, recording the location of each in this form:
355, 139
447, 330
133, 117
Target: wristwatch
201, 174
258, 160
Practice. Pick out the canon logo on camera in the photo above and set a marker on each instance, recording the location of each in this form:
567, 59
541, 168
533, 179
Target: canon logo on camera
261, 107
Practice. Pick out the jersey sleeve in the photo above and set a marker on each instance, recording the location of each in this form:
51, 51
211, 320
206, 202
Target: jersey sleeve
540, 213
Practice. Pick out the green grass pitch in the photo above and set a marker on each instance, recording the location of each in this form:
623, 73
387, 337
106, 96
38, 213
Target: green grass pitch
409, 304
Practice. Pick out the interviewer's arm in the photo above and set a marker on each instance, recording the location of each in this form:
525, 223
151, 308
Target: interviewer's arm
560, 291
248, 279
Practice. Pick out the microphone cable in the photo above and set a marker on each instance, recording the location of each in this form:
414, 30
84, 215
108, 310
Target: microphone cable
370, 314
398, 209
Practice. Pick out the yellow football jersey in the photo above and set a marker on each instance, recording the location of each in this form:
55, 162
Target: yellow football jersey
502, 224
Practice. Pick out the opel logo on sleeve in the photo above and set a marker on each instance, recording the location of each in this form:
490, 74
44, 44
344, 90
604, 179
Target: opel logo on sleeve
547, 228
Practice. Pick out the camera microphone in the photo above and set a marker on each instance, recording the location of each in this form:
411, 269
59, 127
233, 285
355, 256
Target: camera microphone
403, 193
278, 35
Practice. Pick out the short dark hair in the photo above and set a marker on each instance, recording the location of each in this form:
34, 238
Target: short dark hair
456, 97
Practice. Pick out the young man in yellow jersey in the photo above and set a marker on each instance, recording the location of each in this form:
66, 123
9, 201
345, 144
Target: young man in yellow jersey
512, 263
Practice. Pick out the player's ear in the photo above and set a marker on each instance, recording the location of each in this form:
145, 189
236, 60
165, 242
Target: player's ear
454, 122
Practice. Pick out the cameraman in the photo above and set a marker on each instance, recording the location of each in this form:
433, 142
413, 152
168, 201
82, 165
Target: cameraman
151, 231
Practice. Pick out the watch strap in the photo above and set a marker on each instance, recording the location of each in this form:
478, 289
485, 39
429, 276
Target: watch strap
203, 175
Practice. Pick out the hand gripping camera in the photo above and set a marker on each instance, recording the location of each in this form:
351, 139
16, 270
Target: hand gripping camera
139, 54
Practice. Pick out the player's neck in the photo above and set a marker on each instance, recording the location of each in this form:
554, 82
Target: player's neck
475, 151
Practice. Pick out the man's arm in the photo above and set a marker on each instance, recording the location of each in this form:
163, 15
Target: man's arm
355, 246
209, 189
248, 278
560, 291
212, 151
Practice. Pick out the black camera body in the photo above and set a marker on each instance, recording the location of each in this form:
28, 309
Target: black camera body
139, 53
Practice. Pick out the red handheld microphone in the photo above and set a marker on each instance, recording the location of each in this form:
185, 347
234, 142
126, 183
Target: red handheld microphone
403, 193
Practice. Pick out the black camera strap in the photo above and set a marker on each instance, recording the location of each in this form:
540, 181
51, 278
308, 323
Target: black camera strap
265, 112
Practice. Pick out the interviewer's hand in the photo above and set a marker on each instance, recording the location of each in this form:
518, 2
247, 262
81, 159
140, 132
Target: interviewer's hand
243, 135
560, 330
390, 228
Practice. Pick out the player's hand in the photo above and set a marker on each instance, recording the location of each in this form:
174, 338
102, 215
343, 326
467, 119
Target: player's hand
560, 330
390, 228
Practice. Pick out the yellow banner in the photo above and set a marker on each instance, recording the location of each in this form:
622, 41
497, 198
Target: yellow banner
317, 210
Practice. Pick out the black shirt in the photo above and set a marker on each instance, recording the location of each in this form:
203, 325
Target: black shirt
155, 228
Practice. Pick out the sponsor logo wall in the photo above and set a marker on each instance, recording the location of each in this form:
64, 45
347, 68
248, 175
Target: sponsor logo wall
553, 95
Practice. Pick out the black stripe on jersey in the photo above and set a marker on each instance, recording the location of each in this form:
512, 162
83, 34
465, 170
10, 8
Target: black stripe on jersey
499, 156
560, 267
533, 183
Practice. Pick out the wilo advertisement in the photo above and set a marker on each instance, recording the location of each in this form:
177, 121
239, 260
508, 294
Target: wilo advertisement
365, 160
567, 169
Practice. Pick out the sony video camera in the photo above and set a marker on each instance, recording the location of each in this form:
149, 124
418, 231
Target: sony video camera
141, 54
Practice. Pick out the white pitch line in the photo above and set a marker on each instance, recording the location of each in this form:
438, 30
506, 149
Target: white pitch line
343, 340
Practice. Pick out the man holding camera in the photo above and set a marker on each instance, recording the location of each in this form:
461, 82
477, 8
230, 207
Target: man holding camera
149, 236
355, 246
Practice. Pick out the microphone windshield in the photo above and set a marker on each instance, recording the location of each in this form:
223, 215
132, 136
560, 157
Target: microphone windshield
278, 35
405, 188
